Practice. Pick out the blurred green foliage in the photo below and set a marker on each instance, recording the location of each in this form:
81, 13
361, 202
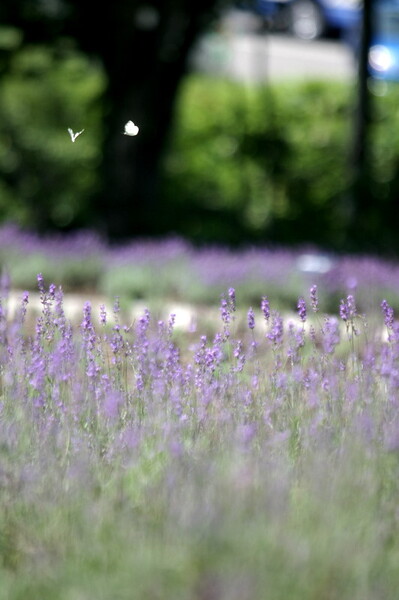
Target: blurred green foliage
261, 163
45, 180
274, 163
271, 159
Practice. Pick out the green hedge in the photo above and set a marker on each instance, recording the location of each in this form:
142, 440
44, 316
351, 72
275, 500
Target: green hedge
244, 163
45, 180
273, 163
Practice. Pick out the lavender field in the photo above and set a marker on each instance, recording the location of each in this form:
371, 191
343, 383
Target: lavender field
257, 459
173, 269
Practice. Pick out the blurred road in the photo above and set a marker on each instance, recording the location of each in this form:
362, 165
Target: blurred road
238, 50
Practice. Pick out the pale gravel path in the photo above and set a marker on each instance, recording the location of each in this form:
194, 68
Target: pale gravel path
186, 315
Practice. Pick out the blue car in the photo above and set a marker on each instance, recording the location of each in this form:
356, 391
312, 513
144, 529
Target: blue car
384, 50
309, 19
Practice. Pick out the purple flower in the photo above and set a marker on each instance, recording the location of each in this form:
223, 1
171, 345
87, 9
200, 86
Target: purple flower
103, 315
87, 324
314, 300
347, 308
40, 282
23, 307
275, 334
228, 306
265, 308
388, 314
224, 310
232, 297
116, 344
144, 322
199, 355
302, 309
51, 290
331, 335
171, 323
240, 363
238, 349
116, 307
343, 310
296, 336
251, 319
351, 305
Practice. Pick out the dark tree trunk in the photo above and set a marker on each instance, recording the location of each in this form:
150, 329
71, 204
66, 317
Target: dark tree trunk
145, 52
144, 46
363, 202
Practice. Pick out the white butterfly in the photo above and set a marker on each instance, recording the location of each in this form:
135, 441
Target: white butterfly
74, 135
131, 128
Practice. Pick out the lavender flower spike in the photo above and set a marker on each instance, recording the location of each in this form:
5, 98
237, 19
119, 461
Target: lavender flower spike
40, 283
251, 319
343, 310
103, 315
265, 308
275, 335
388, 314
347, 308
232, 297
302, 309
314, 300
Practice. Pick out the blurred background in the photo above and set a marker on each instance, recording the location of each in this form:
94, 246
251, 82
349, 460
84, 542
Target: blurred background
260, 122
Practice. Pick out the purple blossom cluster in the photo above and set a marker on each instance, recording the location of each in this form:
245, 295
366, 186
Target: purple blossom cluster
141, 427
107, 379
87, 261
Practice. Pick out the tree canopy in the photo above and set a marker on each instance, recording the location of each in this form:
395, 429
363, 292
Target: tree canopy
143, 48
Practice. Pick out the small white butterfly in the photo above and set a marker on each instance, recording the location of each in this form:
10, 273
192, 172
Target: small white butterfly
74, 135
131, 128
